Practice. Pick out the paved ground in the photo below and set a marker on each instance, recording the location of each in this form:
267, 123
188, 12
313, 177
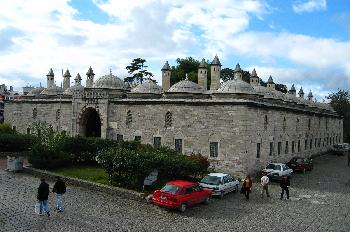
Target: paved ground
320, 202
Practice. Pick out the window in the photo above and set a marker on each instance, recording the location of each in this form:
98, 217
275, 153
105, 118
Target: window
286, 150
326, 123
310, 143
14, 128
315, 142
284, 123
293, 144
128, 119
271, 149
305, 148
265, 122
258, 150
309, 124
279, 148
168, 119
35, 113
298, 145
138, 138
178, 145
120, 137
319, 122
58, 114
157, 141
319, 142
214, 149
28, 131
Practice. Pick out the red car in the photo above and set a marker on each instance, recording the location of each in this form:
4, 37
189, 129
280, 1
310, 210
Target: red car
300, 164
180, 194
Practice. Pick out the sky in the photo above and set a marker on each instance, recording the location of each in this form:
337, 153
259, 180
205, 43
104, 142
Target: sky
300, 42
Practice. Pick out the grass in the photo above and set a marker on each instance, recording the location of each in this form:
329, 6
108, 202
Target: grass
90, 173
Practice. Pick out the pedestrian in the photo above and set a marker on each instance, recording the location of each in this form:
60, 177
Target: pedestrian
59, 188
265, 185
43, 196
285, 183
247, 186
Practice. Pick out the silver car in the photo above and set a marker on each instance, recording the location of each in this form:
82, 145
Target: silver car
220, 183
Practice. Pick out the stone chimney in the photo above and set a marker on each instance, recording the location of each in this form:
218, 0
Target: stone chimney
166, 77
215, 69
203, 74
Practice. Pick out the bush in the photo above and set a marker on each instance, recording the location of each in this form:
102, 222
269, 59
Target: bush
45, 158
6, 129
15, 142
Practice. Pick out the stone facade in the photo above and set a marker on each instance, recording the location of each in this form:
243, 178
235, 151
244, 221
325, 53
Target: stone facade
238, 127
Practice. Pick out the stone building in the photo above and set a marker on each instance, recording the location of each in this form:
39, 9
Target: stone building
239, 126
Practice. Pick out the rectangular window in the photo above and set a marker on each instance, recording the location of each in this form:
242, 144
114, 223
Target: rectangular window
214, 149
319, 142
271, 149
298, 145
293, 144
279, 147
28, 131
120, 137
157, 141
310, 143
286, 150
315, 142
258, 150
178, 145
305, 148
138, 138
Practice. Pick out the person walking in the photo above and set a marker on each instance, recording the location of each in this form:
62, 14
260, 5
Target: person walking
285, 183
265, 185
59, 188
247, 186
43, 196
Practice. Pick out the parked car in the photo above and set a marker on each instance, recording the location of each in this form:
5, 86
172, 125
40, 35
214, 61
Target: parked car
340, 149
300, 164
220, 183
276, 171
179, 194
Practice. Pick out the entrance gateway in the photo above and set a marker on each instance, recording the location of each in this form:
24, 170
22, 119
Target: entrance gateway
90, 124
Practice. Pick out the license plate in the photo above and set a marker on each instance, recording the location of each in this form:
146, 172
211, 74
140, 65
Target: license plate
163, 197
292, 165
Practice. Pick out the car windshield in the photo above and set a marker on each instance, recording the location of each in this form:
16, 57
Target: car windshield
299, 160
213, 180
170, 188
271, 166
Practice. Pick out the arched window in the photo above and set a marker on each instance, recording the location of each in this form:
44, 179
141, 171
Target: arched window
58, 114
168, 119
128, 118
35, 113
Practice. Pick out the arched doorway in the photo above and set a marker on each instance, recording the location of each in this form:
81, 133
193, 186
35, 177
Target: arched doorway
90, 124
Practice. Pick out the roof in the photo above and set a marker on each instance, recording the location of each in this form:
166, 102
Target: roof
238, 68
180, 183
109, 82
67, 74
50, 74
270, 80
254, 74
203, 64
216, 61
218, 174
301, 91
147, 87
90, 72
166, 66
292, 88
236, 86
186, 86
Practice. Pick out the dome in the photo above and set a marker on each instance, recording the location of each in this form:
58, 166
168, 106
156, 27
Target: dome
54, 90
236, 86
147, 87
35, 91
110, 82
186, 86
73, 88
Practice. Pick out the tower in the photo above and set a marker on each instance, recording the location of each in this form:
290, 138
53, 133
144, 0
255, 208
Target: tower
66, 80
166, 77
270, 83
215, 69
77, 80
203, 74
301, 92
310, 96
90, 78
50, 79
254, 79
237, 73
292, 90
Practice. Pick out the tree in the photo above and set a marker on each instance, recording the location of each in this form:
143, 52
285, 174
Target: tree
282, 88
138, 71
185, 66
340, 101
226, 74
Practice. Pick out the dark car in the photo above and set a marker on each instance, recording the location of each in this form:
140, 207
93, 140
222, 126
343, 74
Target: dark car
300, 164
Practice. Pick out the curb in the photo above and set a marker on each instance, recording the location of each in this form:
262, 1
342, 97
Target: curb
124, 193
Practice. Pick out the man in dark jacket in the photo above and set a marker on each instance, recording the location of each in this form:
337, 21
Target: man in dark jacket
59, 188
285, 183
43, 196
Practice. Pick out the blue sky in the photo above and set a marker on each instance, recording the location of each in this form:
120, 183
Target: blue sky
301, 42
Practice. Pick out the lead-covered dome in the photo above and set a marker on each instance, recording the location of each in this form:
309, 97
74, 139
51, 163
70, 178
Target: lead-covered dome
72, 89
110, 82
54, 90
186, 86
35, 91
236, 87
147, 87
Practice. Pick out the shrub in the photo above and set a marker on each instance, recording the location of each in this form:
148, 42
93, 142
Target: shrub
15, 142
5, 128
45, 158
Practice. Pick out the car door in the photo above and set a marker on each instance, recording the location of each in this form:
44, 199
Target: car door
231, 184
189, 196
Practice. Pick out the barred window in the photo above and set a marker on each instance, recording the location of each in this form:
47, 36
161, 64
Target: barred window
309, 124
178, 145
293, 144
120, 137
310, 143
305, 144
128, 118
286, 150
28, 131
284, 123
14, 128
214, 149
258, 150
138, 138
279, 148
157, 141
271, 149
58, 114
265, 122
35, 113
298, 145
168, 119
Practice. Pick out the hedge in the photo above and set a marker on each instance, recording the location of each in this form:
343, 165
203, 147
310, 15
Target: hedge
15, 142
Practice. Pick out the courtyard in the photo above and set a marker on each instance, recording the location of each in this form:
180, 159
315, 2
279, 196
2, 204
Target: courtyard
319, 202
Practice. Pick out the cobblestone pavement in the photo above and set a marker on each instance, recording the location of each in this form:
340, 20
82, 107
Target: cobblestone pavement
319, 202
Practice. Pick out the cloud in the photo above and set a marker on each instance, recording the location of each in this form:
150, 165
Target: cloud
310, 6
8, 37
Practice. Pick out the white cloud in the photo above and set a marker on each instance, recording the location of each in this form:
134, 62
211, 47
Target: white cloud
310, 6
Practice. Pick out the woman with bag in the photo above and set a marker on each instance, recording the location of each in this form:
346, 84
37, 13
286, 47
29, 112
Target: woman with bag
247, 186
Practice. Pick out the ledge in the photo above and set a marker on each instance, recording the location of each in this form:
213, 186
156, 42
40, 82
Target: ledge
129, 194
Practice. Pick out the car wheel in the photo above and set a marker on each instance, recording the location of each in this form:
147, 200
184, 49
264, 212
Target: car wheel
207, 200
221, 194
183, 207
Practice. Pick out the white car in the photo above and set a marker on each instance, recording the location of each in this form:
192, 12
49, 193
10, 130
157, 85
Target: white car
220, 183
277, 170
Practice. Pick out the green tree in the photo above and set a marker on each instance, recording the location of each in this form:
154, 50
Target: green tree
340, 101
138, 71
226, 74
282, 88
185, 66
